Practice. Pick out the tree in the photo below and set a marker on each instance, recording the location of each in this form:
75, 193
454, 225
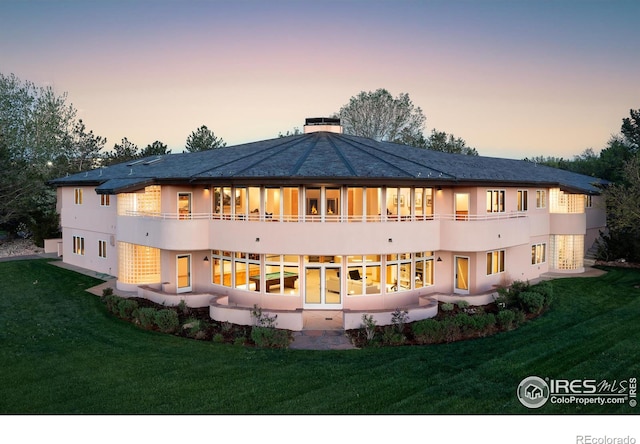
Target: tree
631, 129
122, 152
447, 143
623, 214
156, 148
85, 148
36, 144
379, 116
203, 139
294, 132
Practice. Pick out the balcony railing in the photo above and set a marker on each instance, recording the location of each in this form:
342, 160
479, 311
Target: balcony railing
253, 217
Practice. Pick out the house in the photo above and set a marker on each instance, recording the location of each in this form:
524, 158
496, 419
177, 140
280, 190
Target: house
325, 221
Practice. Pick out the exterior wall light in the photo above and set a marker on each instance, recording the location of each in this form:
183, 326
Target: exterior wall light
206, 259
439, 259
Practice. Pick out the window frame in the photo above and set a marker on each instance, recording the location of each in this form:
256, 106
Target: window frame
522, 197
541, 199
501, 256
496, 200
77, 196
102, 248
78, 245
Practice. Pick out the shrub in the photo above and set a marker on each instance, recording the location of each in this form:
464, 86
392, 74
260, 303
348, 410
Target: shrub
428, 331
238, 341
392, 336
464, 322
462, 304
262, 319
519, 317
126, 307
485, 321
399, 318
195, 328
167, 320
107, 291
182, 307
505, 319
531, 301
218, 338
447, 306
369, 326
450, 329
545, 288
270, 337
146, 317
111, 302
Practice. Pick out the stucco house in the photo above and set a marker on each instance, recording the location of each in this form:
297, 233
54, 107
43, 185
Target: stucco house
325, 221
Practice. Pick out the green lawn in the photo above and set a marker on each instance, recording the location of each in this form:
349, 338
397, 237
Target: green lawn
61, 352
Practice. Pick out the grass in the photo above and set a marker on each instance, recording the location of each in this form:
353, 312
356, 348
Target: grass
61, 352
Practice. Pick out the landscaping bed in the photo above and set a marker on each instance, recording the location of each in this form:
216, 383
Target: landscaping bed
456, 322
195, 323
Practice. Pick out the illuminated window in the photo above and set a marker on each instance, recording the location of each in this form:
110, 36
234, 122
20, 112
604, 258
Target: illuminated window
102, 248
77, 196
495, 201
78, 245
495, 262
541, 199
523, 197
221, 272
399, 276
538, 254
561, 202
567, 252
138, 264
105, 200
424, 269
147, 202
247, 271
281, 274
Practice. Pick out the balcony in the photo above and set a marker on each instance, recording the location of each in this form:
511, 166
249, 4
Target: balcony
324, 235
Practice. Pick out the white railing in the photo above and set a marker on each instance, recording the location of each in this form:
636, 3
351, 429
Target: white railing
327, 218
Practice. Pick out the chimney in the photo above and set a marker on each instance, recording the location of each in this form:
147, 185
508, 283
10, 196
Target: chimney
316, 124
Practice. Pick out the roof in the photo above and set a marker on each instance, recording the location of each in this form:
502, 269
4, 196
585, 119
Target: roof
322, 157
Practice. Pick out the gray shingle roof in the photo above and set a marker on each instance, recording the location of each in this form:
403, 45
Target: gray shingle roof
324, 156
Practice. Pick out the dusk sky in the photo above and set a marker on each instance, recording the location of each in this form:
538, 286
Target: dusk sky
513, 78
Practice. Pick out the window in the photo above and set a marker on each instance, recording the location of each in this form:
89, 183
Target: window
541, 199
495, 262
495, 201
102, 248
77, 196
105, 200
78, 245
221, 267
588, 203
538, 254
247, 271
424, 269
399, 274
138, 264
523, 197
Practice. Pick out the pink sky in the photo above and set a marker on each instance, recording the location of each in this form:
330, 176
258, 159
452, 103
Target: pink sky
512, 78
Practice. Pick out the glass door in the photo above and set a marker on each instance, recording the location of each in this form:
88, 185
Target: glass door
462, 206
184, 205
183, 268
461, 277
323, 288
